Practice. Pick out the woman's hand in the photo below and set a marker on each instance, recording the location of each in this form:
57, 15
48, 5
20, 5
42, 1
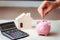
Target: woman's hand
46, 7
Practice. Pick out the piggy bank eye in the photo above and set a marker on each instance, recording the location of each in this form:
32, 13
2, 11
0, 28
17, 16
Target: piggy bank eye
44, 21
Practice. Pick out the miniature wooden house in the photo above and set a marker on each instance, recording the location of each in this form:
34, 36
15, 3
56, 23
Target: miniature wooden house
24, 21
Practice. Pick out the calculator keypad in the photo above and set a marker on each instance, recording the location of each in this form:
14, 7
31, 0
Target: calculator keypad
16, 33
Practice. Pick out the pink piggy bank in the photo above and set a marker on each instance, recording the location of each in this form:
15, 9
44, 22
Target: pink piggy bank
43, 28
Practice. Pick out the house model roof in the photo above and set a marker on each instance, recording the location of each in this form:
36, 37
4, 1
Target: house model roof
20, 16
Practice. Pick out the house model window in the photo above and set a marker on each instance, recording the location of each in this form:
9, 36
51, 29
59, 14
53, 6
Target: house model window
21, 25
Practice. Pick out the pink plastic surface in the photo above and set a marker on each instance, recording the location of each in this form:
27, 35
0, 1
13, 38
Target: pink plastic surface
43, 28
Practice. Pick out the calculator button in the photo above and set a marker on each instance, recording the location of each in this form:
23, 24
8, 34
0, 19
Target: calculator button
12, 30
12, 35
8, 31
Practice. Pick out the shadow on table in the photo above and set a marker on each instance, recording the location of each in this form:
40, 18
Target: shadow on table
53, 34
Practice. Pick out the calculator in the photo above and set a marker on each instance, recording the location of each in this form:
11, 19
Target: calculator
9, 30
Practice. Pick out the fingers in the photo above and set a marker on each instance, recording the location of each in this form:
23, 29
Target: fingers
50, 7
41, 9
47, 10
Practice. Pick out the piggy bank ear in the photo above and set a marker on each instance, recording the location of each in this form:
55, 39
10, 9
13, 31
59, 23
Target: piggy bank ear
37, 21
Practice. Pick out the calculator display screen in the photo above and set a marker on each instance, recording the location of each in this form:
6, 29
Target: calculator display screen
6, 26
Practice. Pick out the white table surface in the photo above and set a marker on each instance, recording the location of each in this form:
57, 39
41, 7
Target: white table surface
54, 34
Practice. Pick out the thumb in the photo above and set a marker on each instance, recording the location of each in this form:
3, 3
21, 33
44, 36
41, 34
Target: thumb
40, 10
42, 13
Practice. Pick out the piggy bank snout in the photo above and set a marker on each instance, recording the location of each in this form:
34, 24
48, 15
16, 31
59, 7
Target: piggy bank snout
37, 21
